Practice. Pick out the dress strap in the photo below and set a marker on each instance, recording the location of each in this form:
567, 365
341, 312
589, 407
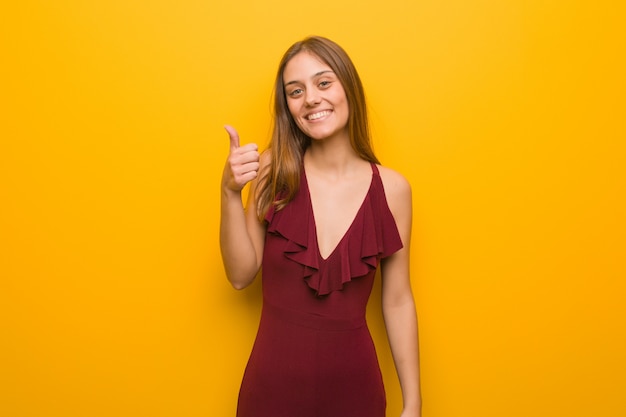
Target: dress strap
375, 169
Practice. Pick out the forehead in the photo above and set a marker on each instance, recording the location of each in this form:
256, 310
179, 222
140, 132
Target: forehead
303, 66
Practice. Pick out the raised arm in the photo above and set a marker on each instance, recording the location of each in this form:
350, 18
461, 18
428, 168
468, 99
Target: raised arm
241, 232
398, 303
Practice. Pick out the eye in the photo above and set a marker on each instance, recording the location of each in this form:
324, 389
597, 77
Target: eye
295, 92
324, 84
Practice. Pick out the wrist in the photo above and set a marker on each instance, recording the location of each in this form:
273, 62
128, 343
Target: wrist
413, 407
228, 193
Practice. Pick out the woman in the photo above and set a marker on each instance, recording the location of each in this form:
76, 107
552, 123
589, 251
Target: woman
322, 214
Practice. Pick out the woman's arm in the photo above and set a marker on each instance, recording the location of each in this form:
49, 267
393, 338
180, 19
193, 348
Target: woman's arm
398, 303
241, 232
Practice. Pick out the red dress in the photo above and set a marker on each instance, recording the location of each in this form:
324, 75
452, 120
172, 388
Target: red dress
313, 355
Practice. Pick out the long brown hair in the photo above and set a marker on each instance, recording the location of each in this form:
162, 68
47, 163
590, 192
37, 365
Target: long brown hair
281, 182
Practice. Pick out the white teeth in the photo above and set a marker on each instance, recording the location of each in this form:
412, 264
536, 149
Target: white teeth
316, 116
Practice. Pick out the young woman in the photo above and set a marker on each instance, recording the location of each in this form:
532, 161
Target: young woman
322, 214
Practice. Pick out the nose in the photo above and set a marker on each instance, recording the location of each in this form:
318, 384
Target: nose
312, 97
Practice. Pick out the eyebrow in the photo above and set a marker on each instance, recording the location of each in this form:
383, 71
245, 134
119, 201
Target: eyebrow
317, 74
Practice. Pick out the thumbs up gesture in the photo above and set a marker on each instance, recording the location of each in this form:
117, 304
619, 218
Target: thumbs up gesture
242, 165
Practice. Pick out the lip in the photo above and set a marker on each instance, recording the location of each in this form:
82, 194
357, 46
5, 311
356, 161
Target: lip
318, 115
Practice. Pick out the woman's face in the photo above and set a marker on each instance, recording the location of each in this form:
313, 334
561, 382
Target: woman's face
315, 97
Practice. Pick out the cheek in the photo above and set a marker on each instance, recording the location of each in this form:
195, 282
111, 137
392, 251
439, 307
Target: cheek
342, 99
293, 113
345, 105
291, 106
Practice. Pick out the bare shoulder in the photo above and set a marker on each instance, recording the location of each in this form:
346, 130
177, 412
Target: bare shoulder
399, 199
397, 187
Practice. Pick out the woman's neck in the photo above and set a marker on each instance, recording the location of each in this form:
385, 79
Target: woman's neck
332, 157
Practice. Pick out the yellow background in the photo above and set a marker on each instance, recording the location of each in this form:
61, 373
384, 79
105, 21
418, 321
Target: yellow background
507, 117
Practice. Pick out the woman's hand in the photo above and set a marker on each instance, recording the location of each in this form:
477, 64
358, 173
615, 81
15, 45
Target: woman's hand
242, 165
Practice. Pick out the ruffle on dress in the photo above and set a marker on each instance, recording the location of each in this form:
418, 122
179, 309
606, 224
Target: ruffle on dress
373, 235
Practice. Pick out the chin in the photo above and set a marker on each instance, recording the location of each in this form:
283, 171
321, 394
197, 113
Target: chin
322, 134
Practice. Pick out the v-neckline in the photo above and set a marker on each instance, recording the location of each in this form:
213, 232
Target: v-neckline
347, 232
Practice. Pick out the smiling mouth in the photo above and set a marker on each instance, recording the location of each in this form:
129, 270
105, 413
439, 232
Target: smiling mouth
318, 115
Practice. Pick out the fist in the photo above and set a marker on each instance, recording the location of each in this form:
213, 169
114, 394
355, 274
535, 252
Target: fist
242, 165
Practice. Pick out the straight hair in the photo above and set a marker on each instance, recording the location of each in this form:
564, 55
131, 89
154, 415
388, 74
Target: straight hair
281, 181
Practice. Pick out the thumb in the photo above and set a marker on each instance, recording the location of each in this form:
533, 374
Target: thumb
234, 137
